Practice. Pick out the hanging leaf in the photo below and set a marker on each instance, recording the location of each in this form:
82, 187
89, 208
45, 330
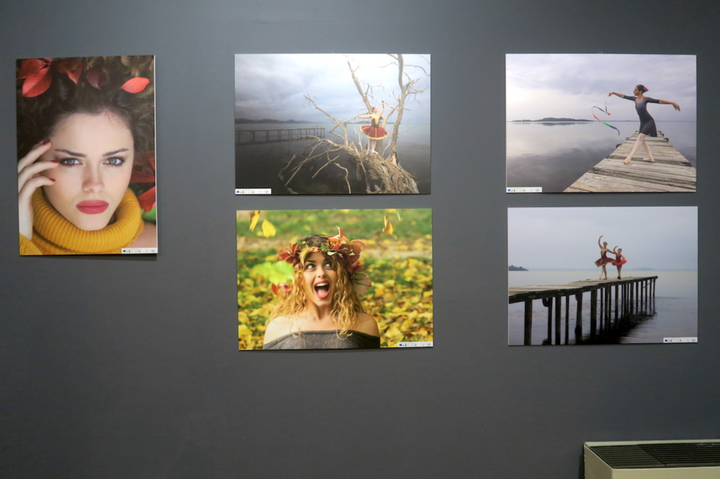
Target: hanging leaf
388, 229
135, 85
31, 66
96, 76
268, 230
254, 217
147, 200
361, 282
72, 67
37, 83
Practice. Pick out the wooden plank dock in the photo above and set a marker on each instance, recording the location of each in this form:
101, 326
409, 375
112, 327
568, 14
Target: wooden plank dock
247, 137
671, 171
612, 302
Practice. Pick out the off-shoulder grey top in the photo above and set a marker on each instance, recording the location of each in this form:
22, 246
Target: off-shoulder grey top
324, 340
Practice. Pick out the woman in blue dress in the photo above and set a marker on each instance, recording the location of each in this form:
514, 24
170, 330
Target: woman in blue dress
647, 123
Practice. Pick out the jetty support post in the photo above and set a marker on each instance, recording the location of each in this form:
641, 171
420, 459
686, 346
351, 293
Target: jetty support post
578, 318
617, 300
567, 319
593, 312
558, 311
548, 303
528, 322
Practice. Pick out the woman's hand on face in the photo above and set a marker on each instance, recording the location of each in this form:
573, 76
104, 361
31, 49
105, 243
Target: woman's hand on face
30, 179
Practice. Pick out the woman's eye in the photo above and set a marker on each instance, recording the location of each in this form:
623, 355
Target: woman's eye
115, 161
310, 266
69, 162
328, 264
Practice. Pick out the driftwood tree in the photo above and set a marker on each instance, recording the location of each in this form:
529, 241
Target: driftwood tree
363, 170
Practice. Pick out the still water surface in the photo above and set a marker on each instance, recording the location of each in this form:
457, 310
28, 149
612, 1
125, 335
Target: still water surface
554, 156
675, 306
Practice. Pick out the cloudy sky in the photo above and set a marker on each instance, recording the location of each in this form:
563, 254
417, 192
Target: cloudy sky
569, 85
662, 238
273, 86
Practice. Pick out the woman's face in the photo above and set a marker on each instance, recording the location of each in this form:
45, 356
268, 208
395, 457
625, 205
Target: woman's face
636, 91
319, 279
95, 153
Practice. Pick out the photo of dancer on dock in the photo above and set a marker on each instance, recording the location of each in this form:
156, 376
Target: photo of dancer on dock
566, 134
329, 124
647, 123
558, 299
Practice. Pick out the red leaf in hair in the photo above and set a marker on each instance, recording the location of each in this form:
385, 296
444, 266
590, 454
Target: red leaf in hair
72, 67
135, 85
37, 83
96, 77
274, 288
147, 200
30, 67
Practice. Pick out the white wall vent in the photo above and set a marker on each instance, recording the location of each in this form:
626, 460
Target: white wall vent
653, 460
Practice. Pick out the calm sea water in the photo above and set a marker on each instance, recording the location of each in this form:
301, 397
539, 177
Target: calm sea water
675, 306
554, 156
257, 165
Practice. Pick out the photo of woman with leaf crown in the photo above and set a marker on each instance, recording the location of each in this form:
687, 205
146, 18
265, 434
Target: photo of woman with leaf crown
327, 291
86, 155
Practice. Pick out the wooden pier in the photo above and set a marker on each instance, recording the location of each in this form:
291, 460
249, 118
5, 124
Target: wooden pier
671, 171
613, 302
248, 137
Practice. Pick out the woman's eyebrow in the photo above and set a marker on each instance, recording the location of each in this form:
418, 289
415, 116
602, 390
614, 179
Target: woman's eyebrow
73, 153
111, 153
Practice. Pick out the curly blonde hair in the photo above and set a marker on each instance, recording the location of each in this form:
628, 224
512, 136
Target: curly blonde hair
345, 301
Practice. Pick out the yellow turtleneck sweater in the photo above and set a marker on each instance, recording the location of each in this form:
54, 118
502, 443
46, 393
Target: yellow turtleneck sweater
53, 234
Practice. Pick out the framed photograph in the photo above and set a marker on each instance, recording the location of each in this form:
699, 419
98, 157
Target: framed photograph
610, 275
601, 123
86, 155
334, 279
317, 124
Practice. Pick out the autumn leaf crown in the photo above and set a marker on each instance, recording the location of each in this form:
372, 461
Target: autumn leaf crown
338, 245
36, 74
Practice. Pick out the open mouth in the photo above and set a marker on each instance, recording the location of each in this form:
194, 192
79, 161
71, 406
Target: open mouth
322, 289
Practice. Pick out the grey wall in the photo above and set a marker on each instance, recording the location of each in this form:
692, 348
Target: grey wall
128, 367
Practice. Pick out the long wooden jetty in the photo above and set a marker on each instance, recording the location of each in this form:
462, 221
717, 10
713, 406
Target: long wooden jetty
671, 171
612, 303
277, 134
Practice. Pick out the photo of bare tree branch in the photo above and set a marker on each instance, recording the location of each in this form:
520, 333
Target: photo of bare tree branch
332, 124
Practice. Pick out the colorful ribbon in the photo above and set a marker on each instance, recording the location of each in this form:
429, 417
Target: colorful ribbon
606, 112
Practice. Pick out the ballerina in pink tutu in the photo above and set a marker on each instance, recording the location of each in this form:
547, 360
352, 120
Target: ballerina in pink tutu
603, 260
619, 260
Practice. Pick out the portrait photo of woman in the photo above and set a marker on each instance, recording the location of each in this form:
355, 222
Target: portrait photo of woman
334, 279
86, 155
321, 309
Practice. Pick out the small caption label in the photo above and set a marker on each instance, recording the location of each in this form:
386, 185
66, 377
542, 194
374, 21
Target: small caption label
139, 251
525, 189
416, 344
680, 340
253, 191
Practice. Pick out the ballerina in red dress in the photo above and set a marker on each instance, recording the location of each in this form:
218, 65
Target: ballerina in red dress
604, 250
619, 260
374, 131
